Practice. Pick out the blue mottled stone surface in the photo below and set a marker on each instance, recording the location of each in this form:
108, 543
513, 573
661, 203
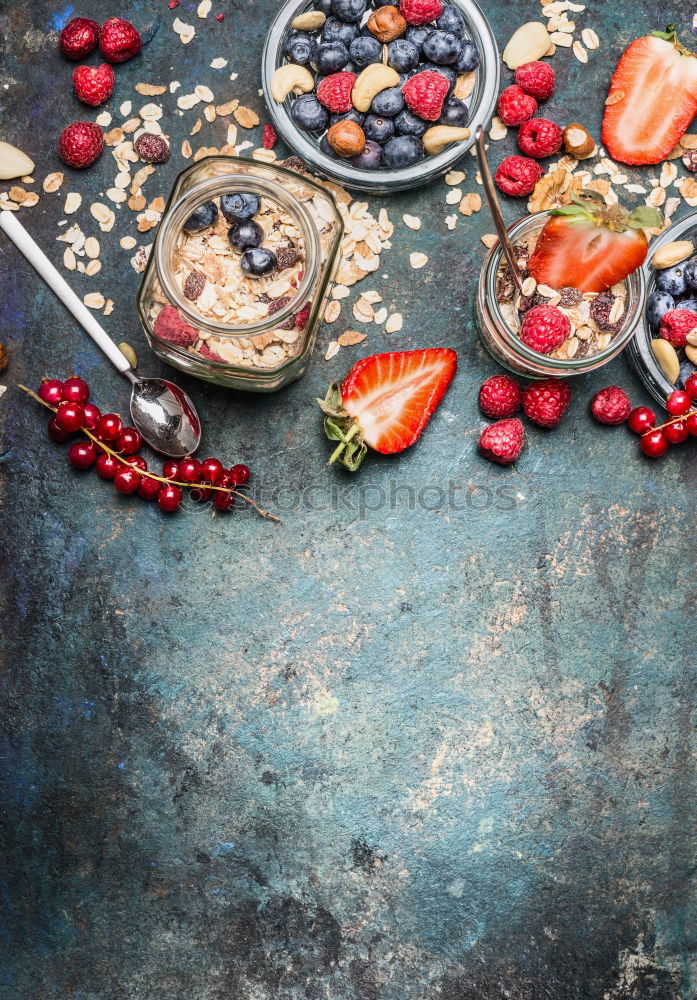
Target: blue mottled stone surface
427, 746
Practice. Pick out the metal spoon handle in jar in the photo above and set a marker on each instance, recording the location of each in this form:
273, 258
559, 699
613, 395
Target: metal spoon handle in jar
495, 208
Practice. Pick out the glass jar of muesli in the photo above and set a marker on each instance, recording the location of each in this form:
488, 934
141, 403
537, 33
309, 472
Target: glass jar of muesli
240, 271
601, 324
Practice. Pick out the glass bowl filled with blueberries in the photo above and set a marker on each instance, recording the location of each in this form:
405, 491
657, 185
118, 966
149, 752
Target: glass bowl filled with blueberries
664, 350
380, 97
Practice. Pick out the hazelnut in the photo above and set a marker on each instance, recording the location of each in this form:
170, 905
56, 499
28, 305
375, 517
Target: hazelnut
578, 142
346, 138
386, 24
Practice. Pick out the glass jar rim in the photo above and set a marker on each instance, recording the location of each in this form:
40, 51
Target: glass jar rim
576, 365
176, 213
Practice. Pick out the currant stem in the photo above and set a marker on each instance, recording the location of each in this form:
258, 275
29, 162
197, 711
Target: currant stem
668, 423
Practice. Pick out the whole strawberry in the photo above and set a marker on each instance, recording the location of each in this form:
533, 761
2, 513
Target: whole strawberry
536, 79
503, 441
545, 401
611, 405
540, 138
78, 38
93, 84
500, 396
515, 106
80, 144
420, 11
118, 40
544, 329
517, 176
424, 94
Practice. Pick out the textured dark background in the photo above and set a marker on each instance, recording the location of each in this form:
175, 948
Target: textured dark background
407, 754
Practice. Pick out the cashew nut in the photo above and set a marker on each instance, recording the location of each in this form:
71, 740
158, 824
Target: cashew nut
311, 20
437, 138
371, 81
291, 78
691, 353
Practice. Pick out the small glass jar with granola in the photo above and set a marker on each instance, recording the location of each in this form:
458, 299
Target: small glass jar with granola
583, 291
239, 275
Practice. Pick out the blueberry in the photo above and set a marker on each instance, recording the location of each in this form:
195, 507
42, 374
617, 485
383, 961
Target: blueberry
331, 57
402, 55
690, 272
370, 158
454, 113
201, 218
672, 280
689, 304
468, 58
452, 20
258, 262
442, 48
239, 206
402, 151
407, 123
338, 31
364, 51
324, 5
308, 114
388, 103
348, 116
447, 71
417, 35
299, 48
378, 129
657, 305
326, 148
349, 10
245, 234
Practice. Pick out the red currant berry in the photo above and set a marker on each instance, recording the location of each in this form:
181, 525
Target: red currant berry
109, 427
641, 419
75, 390
240, 474
201, 492
129, 441
136, 462
678, 402
170, 470
211, 470
691, 385
82, 454
225, 480
189, 470
107, 466
56, 433
169, 497
654, 444
148, 488
70, 417
92, 415
223, 501
127, 480
676, 432
51, 391
691, 424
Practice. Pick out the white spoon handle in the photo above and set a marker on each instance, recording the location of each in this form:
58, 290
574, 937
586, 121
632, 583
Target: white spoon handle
38, 259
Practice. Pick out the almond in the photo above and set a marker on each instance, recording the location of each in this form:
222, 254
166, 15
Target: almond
529, 43
672, 254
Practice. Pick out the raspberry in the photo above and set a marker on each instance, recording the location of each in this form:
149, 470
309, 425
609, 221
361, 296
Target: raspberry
334, 92
151, 148
425, 93
119, 40
269, 138
78, 38
503, 441
540, 138
611, 405
536, 79
93, 85
205, 352
420, 11
170, 326
302, 317
80, 144
545, 401
544, 329
676, 324
517, 176
500, 396
515, 106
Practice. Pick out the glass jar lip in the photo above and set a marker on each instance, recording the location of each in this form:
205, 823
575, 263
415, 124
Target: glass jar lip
383, 181
178, 210
572, 365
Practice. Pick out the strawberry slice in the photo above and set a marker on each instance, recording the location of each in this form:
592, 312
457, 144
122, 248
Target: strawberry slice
385, 402
655, 90
590, 246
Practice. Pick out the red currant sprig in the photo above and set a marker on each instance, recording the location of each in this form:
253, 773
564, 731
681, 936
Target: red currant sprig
655, 441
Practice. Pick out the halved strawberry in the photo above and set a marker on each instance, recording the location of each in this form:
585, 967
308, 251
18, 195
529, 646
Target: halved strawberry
385, 402
591, 247
653, 99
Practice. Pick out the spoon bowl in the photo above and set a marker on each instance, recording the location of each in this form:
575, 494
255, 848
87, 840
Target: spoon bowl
165, 416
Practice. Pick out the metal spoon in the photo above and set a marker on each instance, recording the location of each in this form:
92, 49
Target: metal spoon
160, 410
